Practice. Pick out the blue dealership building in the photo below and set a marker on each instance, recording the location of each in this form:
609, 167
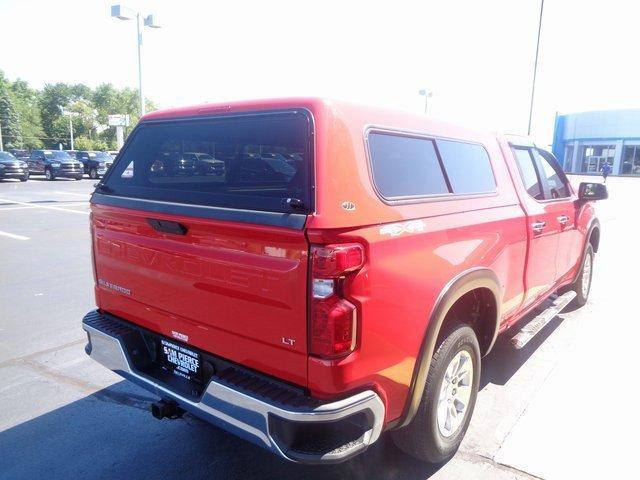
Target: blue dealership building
583, 142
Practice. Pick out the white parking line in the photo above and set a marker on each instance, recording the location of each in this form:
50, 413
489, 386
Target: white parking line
14, 236
46, 207
85, 195
70, 203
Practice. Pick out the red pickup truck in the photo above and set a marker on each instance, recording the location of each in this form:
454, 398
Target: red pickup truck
341, 276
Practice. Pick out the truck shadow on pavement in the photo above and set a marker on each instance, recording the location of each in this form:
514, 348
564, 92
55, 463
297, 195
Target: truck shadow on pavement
504, 360
111, 434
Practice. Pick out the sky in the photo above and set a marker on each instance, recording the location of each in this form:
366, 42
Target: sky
476, 57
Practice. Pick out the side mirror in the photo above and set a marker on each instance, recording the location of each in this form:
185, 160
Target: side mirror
592, 191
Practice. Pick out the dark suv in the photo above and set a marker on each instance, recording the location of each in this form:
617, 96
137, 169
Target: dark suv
11, 167
55, 163
95, 164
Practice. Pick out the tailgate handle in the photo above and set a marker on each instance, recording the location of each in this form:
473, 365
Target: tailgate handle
167, 226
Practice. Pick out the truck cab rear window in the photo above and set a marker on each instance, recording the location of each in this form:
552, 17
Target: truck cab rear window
255, 162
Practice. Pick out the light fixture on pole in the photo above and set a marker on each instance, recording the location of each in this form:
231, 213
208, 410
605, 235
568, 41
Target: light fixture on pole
426, 93
123, 13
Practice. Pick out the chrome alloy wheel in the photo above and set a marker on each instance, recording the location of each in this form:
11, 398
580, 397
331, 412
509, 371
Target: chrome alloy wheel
455, 393
586, 276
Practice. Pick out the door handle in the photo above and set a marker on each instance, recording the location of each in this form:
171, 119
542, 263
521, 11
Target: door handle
167, 226
537, 227
563, 219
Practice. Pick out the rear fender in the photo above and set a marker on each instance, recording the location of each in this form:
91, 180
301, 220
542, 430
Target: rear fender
453, 291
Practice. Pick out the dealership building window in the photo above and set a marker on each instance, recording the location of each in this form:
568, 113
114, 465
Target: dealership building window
630, 160
568, 157
595, 156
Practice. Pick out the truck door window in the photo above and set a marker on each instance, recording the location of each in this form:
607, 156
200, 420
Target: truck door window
552, 175
528, 172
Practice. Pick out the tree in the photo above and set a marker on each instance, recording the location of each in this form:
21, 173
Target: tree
35, 118
111, 101
11, 134
84, 143
26, 103
52, 99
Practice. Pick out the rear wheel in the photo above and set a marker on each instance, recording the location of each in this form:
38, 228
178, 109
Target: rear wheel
437, 430
48, 174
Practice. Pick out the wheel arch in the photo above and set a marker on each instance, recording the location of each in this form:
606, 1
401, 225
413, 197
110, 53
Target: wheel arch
592, 238
454, 290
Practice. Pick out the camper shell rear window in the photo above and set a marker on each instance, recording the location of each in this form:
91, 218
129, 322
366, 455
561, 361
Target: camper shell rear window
254, 162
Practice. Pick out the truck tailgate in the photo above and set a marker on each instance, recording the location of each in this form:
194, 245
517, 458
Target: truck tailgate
232, 289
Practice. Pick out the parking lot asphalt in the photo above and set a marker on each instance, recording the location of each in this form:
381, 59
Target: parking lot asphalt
563, 407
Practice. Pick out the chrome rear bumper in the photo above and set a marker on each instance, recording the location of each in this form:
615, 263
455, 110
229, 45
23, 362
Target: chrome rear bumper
325, 433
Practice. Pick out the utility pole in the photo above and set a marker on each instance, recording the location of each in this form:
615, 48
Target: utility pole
1, 147
535, 68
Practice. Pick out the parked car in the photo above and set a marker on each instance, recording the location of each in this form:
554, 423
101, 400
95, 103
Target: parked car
54, 163
309, 313
20, 154
11, 167
205, 164
95, 163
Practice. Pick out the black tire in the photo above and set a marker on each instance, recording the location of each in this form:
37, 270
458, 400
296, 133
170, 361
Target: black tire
48, 174
582, 296
93, 173
25, 177
78, 178
422, 438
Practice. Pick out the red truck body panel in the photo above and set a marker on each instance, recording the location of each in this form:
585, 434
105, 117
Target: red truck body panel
238, 290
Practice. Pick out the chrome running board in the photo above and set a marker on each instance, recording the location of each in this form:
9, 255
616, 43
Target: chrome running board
532, 328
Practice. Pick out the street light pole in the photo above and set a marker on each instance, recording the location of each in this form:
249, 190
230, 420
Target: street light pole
427, 94
123, 13
1, 146
71, 130
535, 68
142, 109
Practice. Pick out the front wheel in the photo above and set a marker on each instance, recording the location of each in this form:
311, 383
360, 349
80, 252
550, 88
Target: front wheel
449, 396
25, 177
48, 174
93, 173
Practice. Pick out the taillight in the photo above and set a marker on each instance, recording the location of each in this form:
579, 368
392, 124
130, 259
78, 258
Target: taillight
333, 324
